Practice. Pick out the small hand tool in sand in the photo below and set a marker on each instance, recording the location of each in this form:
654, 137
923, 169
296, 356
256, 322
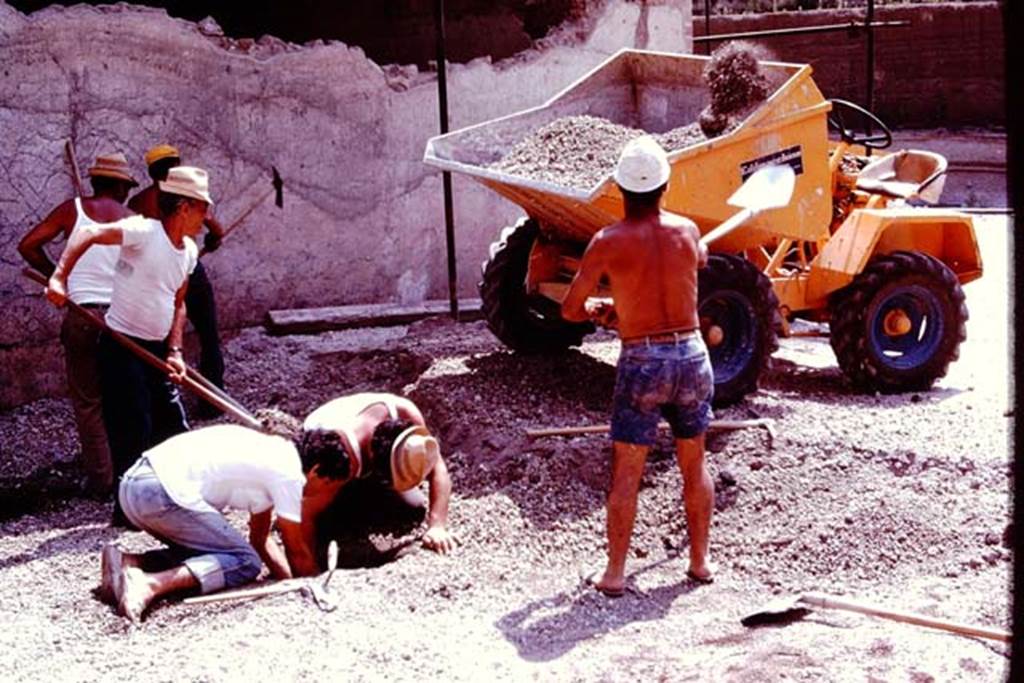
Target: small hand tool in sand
794, 609
310, 587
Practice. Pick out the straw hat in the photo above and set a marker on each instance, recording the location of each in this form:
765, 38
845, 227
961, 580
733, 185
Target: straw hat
188, 181
643, 165
112, 166
413, 456
162, 151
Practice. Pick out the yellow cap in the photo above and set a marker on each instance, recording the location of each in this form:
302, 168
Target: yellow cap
161, 152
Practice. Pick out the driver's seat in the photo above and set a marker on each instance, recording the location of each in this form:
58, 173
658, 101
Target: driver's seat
906, 174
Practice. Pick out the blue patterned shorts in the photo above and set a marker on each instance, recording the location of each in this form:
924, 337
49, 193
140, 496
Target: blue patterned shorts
670, 380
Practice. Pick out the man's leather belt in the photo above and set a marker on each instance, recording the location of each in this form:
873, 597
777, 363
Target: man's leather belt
663, 338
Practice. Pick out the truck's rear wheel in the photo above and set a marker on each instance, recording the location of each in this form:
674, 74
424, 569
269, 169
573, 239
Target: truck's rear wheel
738, 311
899, 324
524, 322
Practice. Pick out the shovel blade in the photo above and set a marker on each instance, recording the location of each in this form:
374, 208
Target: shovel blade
767, 188
778, 612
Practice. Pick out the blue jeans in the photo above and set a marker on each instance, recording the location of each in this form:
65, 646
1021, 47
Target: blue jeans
209, 547
202, 313
141, 407
671, 380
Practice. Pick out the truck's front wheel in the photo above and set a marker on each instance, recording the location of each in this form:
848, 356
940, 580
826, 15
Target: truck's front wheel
524, 322
899, 324
737, 310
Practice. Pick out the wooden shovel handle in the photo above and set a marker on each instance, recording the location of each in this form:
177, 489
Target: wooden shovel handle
603, 428
225, 404
834, 602
283, 586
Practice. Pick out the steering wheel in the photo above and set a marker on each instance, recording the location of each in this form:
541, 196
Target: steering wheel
843, 111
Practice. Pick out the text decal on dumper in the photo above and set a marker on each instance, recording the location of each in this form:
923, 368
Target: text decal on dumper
791, 156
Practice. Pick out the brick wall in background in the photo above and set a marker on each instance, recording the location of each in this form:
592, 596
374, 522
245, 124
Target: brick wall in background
945, 69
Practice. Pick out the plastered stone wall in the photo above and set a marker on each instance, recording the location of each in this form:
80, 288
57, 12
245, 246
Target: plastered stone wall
363, 217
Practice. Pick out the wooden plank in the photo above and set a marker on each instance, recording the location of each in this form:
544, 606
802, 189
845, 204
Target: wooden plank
316, 320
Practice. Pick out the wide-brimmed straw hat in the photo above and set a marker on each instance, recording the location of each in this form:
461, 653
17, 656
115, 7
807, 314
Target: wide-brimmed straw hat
643, 165
162, 151
413, 455
188, 181
112, 166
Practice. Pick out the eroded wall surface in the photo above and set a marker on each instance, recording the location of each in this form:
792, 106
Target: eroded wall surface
363, 217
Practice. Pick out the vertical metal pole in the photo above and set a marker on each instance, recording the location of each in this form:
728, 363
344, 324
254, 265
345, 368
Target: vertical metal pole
446, 177
707, 26
869, 20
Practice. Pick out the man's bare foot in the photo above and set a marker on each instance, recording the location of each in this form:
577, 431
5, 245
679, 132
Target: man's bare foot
610, 587
112, 560
704, 573
135, 593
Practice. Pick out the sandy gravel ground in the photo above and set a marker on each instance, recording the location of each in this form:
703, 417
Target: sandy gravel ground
899, 500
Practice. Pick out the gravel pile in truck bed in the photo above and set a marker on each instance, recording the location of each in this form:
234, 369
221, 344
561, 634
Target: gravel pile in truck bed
581, 151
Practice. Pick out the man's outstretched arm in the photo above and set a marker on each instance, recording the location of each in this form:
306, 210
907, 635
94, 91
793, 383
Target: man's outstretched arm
437, 537
587, 278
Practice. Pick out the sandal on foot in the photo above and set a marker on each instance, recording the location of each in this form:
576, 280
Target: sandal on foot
592, 578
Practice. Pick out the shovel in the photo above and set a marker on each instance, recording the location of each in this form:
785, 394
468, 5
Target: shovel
794, 609
770, 187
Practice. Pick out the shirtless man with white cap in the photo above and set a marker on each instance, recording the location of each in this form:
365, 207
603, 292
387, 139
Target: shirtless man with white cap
650, 259
387, 439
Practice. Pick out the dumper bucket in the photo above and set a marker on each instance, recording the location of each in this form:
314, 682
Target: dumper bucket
661, 92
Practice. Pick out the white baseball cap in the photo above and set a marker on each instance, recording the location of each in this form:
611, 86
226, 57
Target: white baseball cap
643, 165
188, 181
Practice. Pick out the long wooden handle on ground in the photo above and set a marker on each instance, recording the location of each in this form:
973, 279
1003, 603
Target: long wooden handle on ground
76, 179
273, 588
215, 396
603, 428
834, 602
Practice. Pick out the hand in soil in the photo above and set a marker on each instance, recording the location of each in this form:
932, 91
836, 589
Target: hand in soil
440, 540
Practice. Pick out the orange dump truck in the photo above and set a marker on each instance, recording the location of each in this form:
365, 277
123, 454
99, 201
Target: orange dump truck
854, 247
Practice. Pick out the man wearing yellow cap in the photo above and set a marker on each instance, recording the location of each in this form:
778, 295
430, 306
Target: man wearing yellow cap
389, 444
650, 259
199, 302
141, 406
90, 288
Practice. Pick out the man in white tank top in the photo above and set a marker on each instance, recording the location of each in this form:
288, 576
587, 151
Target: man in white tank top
141, 407
90, 286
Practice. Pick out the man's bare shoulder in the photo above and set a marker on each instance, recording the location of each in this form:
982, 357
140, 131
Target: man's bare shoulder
675, 220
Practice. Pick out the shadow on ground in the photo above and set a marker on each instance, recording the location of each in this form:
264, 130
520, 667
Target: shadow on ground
551, 627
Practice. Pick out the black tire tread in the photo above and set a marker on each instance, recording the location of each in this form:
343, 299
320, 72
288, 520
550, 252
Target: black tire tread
727, 271
848, 325
504, 302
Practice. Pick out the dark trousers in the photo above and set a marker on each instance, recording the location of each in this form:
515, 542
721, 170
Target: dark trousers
141, 406
202, 313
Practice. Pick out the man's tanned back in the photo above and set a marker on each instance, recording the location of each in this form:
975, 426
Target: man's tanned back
651, 263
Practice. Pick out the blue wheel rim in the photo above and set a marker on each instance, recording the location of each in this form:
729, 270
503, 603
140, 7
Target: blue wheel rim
733, 313
919, 344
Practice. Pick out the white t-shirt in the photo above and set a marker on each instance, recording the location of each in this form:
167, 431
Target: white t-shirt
148, 275
92, 278
230, 466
